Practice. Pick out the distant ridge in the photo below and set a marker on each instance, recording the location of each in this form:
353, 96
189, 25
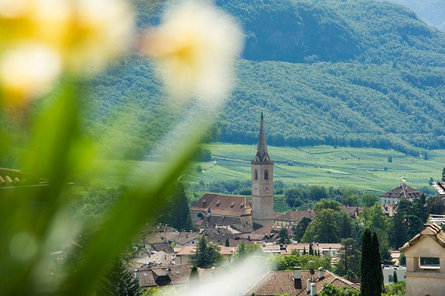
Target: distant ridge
342, 73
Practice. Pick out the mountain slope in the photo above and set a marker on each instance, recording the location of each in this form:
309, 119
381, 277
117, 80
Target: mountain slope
349, 73
431, 11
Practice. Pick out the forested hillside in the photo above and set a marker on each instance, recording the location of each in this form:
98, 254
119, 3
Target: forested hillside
348, 73
431, 11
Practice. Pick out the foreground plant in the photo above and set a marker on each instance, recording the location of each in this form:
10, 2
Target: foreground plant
51, 47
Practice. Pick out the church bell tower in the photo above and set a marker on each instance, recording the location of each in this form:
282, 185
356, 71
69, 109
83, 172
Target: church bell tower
262, 182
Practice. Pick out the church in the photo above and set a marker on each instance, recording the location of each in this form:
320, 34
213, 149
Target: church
239, 212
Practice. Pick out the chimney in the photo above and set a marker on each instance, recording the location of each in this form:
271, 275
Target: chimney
320, 273
297, 278
313, 290
308, 286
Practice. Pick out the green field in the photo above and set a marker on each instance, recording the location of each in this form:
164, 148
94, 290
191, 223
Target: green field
365, 168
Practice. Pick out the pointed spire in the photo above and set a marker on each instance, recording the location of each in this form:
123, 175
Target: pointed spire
261, 154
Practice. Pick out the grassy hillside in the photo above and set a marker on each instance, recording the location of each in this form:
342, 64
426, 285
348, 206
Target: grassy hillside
366, 169
340, 73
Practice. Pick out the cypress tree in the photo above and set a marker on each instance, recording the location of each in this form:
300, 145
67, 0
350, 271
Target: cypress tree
365, 283
311, 250
395, 279
376, 266
304, 251
227, 243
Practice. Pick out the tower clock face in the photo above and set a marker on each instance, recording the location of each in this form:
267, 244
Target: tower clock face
266, 188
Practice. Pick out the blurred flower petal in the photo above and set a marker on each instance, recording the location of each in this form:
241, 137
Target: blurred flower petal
26, 71
195, 48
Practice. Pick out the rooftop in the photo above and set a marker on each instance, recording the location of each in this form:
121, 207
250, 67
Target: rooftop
402, 191
223, 205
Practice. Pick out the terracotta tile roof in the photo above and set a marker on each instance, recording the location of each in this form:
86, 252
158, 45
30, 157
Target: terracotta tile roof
223, 205
402, 191
237, 223
355, 211
295, 216
161, 276
282, 282
185, 237
433, 230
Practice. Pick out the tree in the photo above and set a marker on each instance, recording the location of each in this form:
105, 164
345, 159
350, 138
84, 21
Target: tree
118, 282
283, 236
370, 265
327, 204
376, 265
194, 275
177, 213
436, 205
227, 244
241, 251
369, 199
395, 280
402, 259
311, 249
331, 290
301, 227
398, 231
207, 254
349, 263
324, 228
304, 251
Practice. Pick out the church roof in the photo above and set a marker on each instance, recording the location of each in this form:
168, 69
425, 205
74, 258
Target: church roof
262, 155
223, 205
402, 191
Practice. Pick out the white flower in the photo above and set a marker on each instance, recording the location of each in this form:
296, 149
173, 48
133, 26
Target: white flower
28, 70
194, 49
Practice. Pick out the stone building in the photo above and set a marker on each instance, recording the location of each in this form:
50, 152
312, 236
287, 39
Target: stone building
262, 182
425, 262
238, 211
219, 209
390, 199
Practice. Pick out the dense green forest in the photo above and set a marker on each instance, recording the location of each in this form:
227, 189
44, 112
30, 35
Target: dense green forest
341, 73
431, 11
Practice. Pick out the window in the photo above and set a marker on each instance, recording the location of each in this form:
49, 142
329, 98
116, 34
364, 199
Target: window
429, 263
266, 175
256, 174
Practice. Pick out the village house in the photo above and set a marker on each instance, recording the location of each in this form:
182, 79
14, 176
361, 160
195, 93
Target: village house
390, 199
325, 249
291, 219
184, 254
425, 262
388, 273
217, 209
297, 282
